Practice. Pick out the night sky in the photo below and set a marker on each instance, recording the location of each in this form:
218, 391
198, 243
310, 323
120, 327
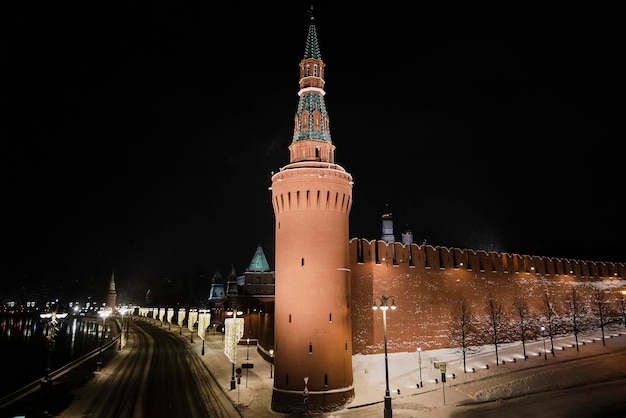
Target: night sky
140, 138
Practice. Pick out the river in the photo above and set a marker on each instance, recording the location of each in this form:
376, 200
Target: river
30, 344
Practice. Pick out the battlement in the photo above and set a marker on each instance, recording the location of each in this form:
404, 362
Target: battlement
428, 257
427, 283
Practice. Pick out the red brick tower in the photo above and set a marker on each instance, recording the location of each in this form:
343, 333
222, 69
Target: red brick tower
111, 302
312, 197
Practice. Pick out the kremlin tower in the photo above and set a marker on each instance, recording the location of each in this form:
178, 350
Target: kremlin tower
112, 294
312, 198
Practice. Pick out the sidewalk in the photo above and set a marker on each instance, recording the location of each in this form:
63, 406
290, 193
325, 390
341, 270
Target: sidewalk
254, 393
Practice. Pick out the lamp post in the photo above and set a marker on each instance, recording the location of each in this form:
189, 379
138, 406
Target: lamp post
545, 355
50, 327
51, 324
624, 307
233, 382
103, 314
50, 319
247, 358
419, 360
382, 304
271, 361
122, 312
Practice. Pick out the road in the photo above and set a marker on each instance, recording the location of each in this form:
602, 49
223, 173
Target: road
155, 375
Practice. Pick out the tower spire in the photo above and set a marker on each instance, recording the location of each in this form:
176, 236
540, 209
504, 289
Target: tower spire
311, 134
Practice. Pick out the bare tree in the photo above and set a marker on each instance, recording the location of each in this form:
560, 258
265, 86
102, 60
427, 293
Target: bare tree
574, 306
550, 316
622, 304
496, 318
523, 312
463, 330
601, 310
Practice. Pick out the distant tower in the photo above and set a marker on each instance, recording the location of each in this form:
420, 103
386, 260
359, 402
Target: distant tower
388, 235
312, 198
231, 283
258, 277
217, 292
112, 293
407, 237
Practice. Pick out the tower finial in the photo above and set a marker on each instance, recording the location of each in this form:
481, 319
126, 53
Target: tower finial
310, 13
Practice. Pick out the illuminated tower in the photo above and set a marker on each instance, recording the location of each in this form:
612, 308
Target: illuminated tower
388, 235
112, 293
312, 197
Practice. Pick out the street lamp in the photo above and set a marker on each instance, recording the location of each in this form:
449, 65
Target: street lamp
103, 314
419, 360
247, 358
545, 355
122, 312
51, 327
624, 307
271, 361
234, 312
382, 304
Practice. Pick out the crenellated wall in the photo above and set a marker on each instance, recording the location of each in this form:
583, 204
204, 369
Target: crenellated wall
427, 281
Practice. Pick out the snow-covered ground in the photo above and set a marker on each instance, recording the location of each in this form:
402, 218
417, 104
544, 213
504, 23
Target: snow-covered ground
485, 381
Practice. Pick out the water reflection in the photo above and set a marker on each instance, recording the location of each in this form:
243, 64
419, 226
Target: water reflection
25, 342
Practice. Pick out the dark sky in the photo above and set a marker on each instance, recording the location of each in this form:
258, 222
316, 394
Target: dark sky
140, 138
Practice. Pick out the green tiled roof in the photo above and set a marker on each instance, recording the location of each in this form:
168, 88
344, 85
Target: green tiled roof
259, 261
310, 102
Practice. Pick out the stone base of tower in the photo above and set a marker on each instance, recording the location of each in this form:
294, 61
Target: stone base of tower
296, 404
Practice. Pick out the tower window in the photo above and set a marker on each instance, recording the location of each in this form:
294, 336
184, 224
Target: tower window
310, 348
